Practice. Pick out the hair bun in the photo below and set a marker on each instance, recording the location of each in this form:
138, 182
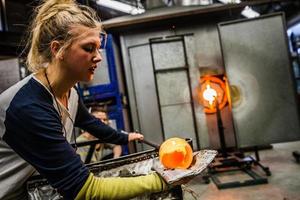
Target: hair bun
47, 4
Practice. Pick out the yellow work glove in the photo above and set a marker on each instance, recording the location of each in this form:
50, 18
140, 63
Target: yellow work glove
120, 187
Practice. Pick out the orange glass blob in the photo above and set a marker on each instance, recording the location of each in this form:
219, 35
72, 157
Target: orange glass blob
175, 153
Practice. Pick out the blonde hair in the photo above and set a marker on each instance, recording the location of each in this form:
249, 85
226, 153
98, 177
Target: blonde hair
53, 21
96, 109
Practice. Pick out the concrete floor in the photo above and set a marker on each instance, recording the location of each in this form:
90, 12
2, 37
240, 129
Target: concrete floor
284, 183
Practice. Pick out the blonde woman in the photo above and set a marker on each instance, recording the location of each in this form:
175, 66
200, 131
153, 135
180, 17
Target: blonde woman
37, 114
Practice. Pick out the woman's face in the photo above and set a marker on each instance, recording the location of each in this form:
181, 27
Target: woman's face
81, 57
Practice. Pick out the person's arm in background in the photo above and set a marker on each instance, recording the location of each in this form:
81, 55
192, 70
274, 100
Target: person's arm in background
117, 151
105, 133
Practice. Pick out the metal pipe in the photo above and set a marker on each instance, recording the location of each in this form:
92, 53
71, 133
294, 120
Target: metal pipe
156, 146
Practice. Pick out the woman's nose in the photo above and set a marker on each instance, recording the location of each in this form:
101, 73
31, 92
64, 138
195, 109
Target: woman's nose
98, 57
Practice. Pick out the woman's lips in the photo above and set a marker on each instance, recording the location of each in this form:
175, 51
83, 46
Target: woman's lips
92, 69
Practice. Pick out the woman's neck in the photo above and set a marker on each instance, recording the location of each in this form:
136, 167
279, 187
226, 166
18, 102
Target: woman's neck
57, 82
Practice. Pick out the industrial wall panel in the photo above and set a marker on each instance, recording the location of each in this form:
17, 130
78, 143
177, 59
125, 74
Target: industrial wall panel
178, 121
173, 88
145, 93
257, 63
168, 55
9, 73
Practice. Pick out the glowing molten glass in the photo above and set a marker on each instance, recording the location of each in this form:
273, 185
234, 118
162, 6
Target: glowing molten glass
175, 153
209, 94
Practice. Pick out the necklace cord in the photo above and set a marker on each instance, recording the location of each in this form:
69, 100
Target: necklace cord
60, 112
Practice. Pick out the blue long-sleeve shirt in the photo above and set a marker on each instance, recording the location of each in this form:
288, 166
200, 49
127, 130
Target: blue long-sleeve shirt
33, 136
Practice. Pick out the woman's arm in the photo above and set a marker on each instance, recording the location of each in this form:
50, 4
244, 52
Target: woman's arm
120, 188
34, 132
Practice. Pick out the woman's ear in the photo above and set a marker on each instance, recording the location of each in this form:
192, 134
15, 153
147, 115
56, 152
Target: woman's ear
56, 49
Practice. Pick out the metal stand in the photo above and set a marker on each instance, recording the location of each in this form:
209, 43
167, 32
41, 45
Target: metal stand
230, 162
92, 144
233, 163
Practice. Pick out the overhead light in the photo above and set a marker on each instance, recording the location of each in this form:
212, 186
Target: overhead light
230, 1
116, 5
249, 12
196, 2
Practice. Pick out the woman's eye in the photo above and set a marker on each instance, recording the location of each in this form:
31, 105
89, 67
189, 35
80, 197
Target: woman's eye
89, 49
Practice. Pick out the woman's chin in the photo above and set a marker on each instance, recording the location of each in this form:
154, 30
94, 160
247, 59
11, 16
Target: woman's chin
89, 78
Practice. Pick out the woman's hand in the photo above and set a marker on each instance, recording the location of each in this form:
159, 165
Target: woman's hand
135, 136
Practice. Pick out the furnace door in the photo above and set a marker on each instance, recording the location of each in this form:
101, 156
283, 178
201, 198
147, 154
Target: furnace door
162, 100
173, 85
257, 64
